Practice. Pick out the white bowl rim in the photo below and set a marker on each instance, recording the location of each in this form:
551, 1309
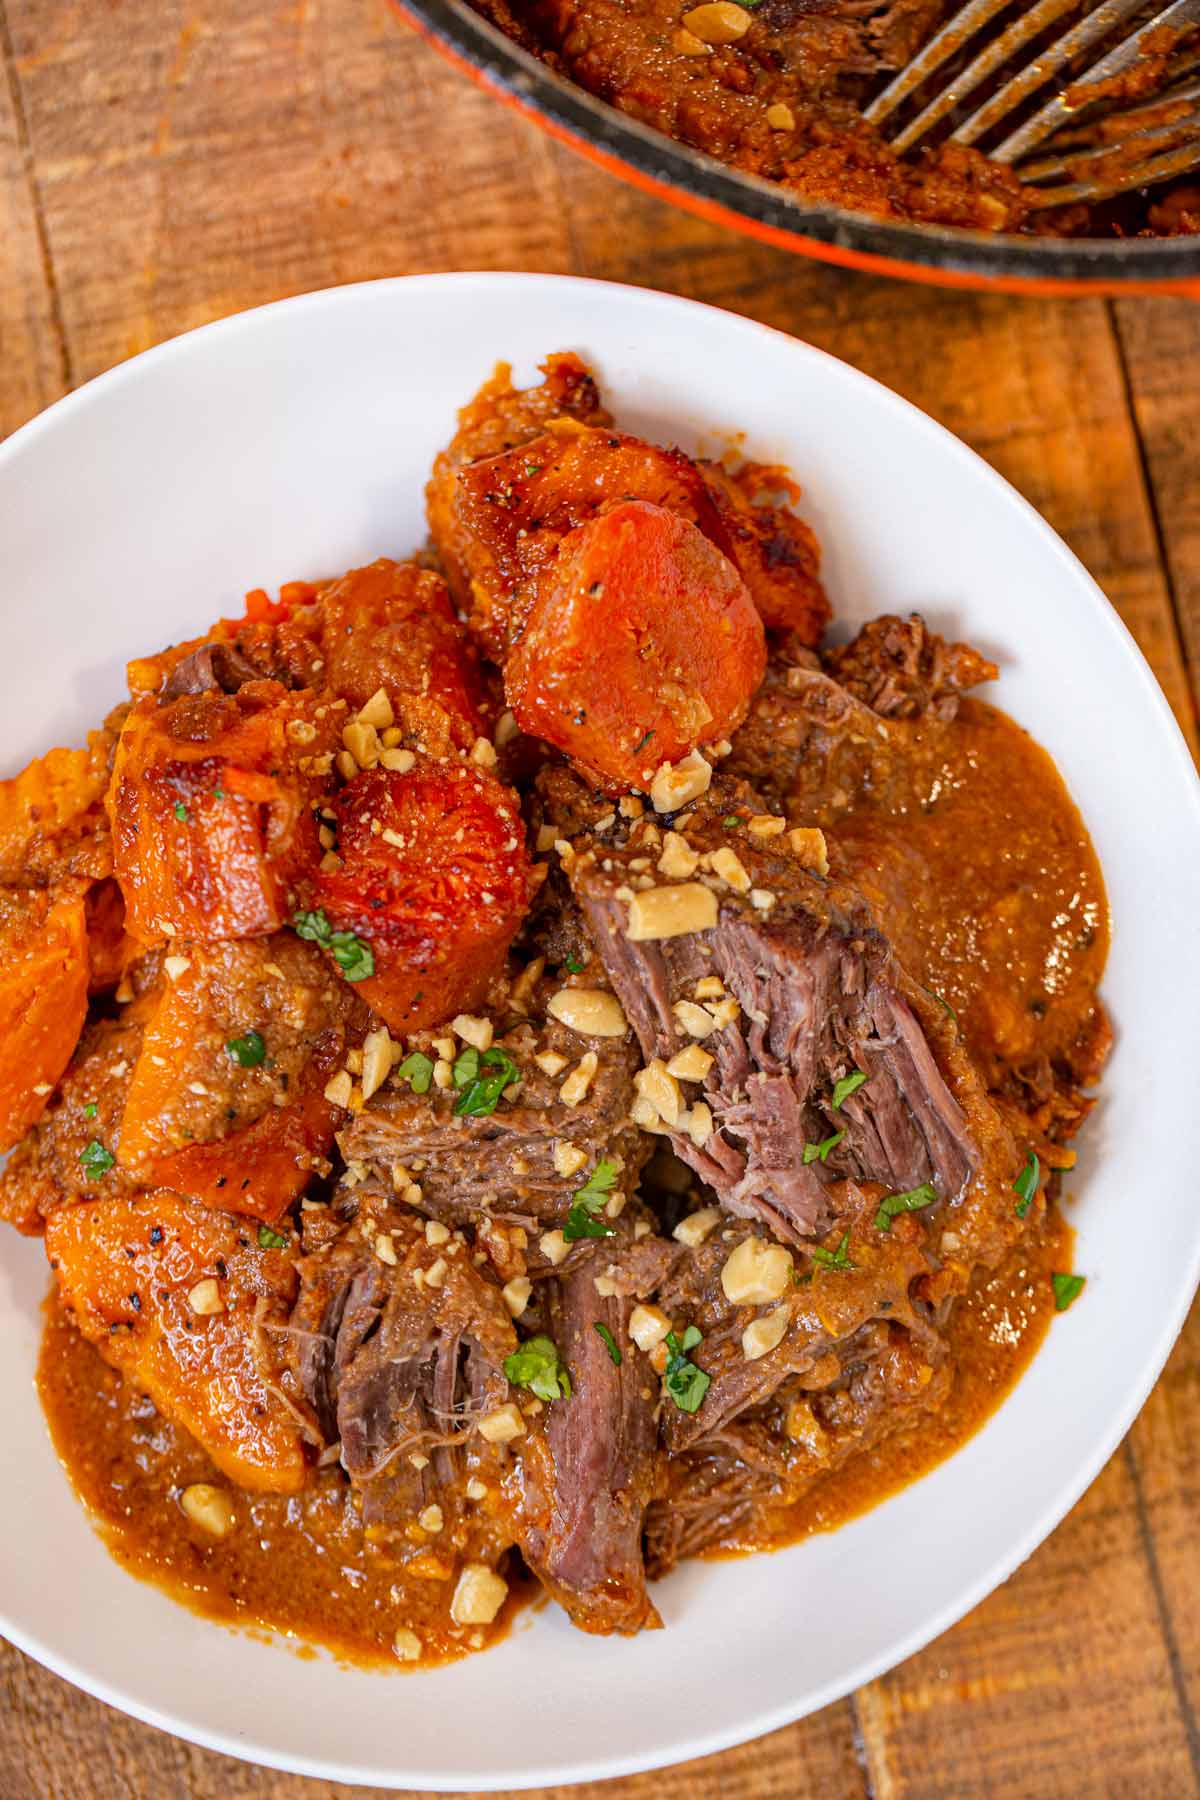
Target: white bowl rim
1035, 1530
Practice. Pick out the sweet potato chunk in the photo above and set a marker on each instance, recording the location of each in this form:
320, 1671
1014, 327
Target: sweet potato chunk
227, 1099
52, 819
170, 1293
69, 1153
391, 626
434, 879
211, 806
43, 1000
642, 643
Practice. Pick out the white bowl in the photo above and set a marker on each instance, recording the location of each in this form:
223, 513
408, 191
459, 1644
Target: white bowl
295, 441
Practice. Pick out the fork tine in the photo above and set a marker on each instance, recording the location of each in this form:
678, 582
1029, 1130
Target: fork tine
993, 57
1090, 30
1057, 111
1069, 152
1159, 168
958, 30
1155, 140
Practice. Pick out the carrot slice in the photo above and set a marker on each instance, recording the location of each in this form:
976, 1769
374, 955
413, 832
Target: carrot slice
643, 642
434, 879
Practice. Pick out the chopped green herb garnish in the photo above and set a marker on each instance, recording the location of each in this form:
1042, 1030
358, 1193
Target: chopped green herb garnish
730, 820
1066, 1289
219, 793
249, 1051
643, 740
910, 1201
96, 1159
417, 1070
573, 967
944, 1004
820, 1152
89, 1111
849, 1084
684, 1381
480, 1092
181, 812
581, 1221
610, 1342
532, 468
353, 956
271, 1240
538, 1366
834, 1259
1026, 1184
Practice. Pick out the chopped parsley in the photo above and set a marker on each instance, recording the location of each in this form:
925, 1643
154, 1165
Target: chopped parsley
910, 1201
181, 812
684, 1381
479, 1092
834, 1259
250, 1051
89, 1111
538, 1366
271, 1240
1026, 1184
218, 793
587, 1201
609, 1341
417, 1070
820, 1152
574, 967
96, 1159
1066, 1289
352, 955
730, 821
842, 1090
944, 1004
643, 741
532, 468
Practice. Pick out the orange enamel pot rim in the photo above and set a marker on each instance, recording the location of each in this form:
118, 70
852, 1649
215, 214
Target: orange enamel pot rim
938, 255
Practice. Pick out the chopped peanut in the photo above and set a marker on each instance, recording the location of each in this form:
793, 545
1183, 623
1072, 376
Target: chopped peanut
690, 1064
575, 1088
648, 1325
693, 1230
479, 1595
717, 22
764, 1333
666, 912
728, 865
697, 1021
503, 1425
205, 1298
656, 1084
473, 1031
210, 1508
568, 1158
377, 711
756, 1272
515, 1294
675, 785
406, 1645
678, 861
554, 1247
590, 1011
809, 849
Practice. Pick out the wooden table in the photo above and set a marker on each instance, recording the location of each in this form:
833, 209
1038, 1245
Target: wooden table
162, 166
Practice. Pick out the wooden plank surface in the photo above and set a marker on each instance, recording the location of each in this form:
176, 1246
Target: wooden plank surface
162, 164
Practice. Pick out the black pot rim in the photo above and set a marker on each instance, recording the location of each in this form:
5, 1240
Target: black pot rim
1111, 263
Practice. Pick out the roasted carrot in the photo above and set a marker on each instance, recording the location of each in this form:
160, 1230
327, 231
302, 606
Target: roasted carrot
642, 644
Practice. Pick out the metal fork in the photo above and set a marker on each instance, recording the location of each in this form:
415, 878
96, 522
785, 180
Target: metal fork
1118, 147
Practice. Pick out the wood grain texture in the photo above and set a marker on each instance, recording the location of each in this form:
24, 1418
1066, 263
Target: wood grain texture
163, 164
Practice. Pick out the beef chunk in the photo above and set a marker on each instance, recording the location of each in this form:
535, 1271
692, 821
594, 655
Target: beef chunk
216, 665
902, 670
810, 995
504, 1163
395, 1367
590, 1474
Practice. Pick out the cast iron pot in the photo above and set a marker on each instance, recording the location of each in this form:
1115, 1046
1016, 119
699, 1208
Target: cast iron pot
937, 254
